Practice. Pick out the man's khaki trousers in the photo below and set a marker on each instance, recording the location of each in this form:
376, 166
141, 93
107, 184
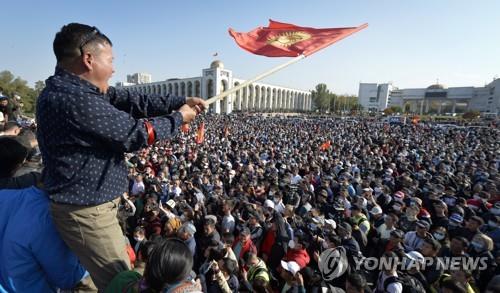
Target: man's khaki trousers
94, 235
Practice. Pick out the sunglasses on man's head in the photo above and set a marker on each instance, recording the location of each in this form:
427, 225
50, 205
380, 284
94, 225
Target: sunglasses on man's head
88, 37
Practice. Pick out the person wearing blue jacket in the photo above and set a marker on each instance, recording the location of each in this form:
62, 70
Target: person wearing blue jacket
33, 257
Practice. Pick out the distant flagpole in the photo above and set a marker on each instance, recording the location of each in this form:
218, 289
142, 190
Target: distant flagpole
258, 77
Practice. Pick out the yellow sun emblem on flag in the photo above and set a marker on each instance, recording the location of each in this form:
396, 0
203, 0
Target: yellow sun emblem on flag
287, 39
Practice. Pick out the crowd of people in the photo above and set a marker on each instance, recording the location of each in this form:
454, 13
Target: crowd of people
130, 201
260, 200
254, 205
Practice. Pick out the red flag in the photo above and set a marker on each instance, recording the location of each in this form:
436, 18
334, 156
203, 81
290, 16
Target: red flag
200, 134
326, 145
288, 40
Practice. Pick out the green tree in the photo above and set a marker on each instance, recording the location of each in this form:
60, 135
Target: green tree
393, 110
12, 86
346, 102
471, 115
39, 86
334, 99
407, 107
397, 109
388, 111
321, 97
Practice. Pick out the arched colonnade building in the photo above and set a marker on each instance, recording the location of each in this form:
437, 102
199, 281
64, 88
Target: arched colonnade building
217, 79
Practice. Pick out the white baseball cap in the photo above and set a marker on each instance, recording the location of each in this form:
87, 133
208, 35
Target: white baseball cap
269, 204
376, 210
290, 266
416, 256
332, 223
170, 203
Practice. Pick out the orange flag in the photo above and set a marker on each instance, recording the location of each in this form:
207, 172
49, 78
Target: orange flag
226, 131
326, 145
288, 40
415, 120
200, 134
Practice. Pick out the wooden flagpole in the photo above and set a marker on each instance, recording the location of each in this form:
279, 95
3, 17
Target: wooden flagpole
258, 77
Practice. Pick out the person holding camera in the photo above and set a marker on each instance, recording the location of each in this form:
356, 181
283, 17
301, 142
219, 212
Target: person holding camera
221, 277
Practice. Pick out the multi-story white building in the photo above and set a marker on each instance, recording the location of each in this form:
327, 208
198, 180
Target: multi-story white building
139, 78
216, 79
435, 99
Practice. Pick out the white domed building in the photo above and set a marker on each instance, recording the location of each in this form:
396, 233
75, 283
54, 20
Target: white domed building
216, 79
434, 99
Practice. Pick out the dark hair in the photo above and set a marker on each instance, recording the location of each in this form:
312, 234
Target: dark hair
12, 155
140, 229
170, 262
477, 219
230, 265
146, 249
228, 238
357, 280
334, 239
248, 256
436, 246
465, 242
453, 285
72, 38
260, 285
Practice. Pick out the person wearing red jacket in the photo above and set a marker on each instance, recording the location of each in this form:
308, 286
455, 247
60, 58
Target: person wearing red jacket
243, 244
297, 252
268, 242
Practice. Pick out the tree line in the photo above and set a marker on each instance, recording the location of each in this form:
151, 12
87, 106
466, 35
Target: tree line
326, 101
11, 86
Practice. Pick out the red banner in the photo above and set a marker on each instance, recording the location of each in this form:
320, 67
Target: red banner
325, 146
200, 134
289, 40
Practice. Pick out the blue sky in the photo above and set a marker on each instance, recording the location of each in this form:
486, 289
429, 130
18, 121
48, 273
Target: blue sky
411, 43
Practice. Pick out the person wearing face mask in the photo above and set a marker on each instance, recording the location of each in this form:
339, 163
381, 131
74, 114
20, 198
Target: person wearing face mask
440, 234
481, 247
492, 229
